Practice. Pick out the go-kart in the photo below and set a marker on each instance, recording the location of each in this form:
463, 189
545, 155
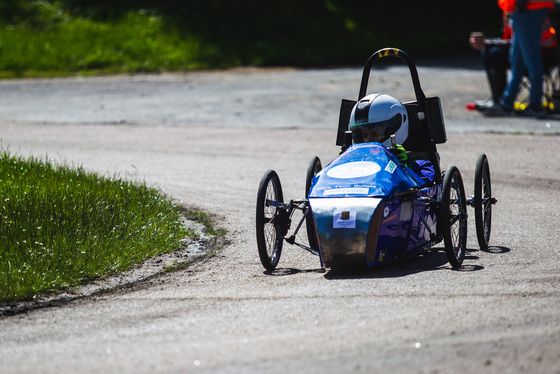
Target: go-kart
366, 207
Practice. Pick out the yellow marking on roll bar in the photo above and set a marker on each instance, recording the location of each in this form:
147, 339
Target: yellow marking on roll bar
388, 51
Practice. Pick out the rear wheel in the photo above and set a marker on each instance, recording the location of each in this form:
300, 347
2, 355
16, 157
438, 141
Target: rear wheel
454, 217
312, 170
482, 201
270, 220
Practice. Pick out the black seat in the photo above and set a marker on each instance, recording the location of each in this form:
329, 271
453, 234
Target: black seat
417, 142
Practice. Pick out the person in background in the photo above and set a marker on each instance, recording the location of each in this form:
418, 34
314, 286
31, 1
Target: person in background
527, 17
495, 56
494, 53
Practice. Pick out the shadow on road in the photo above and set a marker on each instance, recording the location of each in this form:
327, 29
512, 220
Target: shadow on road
434, 260
428, 261
496, 249
279, 272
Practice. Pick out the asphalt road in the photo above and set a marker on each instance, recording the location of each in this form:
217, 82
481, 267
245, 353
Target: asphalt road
205, 139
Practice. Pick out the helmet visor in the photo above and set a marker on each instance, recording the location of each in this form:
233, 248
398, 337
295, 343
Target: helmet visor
376, 131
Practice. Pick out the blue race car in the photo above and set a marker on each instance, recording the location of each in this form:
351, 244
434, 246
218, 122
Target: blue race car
367, 207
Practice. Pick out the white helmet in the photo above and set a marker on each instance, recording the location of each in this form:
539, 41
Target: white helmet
381, 114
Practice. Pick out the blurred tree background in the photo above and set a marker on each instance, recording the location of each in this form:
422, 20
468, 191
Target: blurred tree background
277, 32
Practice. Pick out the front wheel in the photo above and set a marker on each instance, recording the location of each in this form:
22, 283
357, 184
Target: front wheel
454, 217
312, 170
482, 201
270, 220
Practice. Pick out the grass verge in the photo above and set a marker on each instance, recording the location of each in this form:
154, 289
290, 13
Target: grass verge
63, 227
139, 42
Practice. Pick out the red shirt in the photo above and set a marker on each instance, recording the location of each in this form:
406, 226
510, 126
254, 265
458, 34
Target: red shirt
509, 5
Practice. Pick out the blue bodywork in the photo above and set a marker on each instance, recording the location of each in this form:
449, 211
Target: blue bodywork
369, 208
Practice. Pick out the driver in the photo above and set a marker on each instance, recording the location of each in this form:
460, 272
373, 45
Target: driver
377, 118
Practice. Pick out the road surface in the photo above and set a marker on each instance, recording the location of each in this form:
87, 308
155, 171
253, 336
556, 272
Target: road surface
205, 139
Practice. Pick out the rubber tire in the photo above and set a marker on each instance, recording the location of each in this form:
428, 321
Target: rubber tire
269, 230
482, 201
454, 217
312, 170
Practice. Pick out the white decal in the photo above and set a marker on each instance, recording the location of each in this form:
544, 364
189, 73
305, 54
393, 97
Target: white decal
391, 166
344, 219
356, 169
346, 191
406, 211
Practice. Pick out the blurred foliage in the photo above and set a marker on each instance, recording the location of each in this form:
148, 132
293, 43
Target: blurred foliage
138, 42
286, 32
30, 13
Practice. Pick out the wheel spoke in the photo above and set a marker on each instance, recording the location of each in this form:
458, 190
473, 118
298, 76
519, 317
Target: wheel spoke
483, 201
455, 217
268, 220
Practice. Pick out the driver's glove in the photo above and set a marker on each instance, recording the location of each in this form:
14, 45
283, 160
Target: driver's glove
399, 151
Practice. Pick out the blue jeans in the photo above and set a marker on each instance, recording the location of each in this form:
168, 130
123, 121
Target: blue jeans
525, 53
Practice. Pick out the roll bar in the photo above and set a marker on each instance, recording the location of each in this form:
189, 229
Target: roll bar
386, 52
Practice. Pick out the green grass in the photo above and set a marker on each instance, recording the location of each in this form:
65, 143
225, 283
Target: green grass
62, 227
139, 42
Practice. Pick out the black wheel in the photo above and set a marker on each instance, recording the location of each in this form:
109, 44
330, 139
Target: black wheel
454, 217
482, 201
312, 170
270, 220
